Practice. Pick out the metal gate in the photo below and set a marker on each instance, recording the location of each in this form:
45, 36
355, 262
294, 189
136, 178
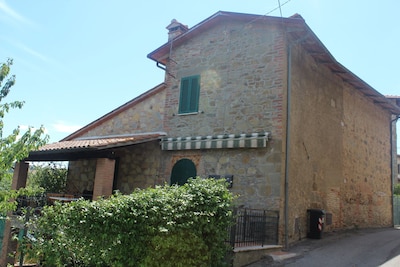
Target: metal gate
254, 227
396, 210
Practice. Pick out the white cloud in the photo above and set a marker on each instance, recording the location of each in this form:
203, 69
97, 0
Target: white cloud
24, 127
64, 127
13, 15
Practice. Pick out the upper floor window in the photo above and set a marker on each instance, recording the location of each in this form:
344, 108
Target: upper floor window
189, 98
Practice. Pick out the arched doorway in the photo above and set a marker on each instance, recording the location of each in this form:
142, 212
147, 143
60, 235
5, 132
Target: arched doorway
182, 170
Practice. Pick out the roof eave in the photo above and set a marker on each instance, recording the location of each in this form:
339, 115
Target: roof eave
70, 155
161, 54
304, 33
313, 45
87, 150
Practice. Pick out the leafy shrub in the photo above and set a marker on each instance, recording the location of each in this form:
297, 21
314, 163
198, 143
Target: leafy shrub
163, 226
177, 249
9, 199
51, 177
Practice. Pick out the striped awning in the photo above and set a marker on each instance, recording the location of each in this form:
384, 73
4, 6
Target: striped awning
252, 140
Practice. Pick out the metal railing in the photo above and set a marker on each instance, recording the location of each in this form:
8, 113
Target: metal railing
254, 228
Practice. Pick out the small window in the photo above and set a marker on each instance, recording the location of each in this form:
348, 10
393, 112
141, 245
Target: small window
189, 98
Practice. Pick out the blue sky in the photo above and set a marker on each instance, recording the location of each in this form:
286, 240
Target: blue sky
77, 60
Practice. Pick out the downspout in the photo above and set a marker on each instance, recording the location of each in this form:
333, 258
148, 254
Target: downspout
288, 125
163, 67
158, 64
287, 145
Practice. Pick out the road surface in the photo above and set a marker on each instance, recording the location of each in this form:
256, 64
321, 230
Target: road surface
352, 248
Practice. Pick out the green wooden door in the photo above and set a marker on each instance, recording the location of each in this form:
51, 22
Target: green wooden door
182, 171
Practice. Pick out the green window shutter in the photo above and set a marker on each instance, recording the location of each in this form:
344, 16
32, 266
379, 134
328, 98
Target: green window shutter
189, 98
194, 95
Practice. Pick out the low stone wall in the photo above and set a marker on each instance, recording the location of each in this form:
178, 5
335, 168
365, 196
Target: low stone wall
244, 256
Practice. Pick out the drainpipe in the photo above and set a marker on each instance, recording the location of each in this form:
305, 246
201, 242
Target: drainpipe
287, 145
164, 68
161, 66
288, 124
392, 123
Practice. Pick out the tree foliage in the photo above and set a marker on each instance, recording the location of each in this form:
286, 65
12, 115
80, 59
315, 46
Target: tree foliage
52, 177
15, 146
163, 226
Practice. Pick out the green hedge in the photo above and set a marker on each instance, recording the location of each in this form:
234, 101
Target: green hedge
162, 226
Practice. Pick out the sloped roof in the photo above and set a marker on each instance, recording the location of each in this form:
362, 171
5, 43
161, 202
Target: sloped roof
161, 54
394, 99
102, 142
90, 147
299, 32
393, 96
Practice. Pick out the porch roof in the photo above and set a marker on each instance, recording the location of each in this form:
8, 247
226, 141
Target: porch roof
90, 147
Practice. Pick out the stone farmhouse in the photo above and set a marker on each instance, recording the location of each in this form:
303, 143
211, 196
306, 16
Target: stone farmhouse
257, 100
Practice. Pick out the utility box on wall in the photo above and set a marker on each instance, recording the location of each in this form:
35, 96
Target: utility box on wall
315, 223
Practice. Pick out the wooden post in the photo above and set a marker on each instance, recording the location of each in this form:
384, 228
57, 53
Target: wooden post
20, 175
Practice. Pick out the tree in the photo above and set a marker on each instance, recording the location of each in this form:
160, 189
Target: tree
52, 177
15, 146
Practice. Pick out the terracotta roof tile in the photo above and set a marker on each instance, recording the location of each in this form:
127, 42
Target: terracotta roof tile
102, 142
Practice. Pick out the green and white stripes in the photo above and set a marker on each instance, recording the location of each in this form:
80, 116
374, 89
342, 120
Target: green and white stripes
252, 140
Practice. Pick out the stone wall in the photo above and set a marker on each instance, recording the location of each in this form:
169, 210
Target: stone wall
366, 186
242, 76
256, 172
339, 151
145, 116
138, 166
81, 176
241, 80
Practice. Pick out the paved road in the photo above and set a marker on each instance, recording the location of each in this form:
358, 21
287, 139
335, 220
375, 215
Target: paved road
355, 248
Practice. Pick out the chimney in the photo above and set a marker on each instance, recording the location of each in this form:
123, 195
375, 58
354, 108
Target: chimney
175, 29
